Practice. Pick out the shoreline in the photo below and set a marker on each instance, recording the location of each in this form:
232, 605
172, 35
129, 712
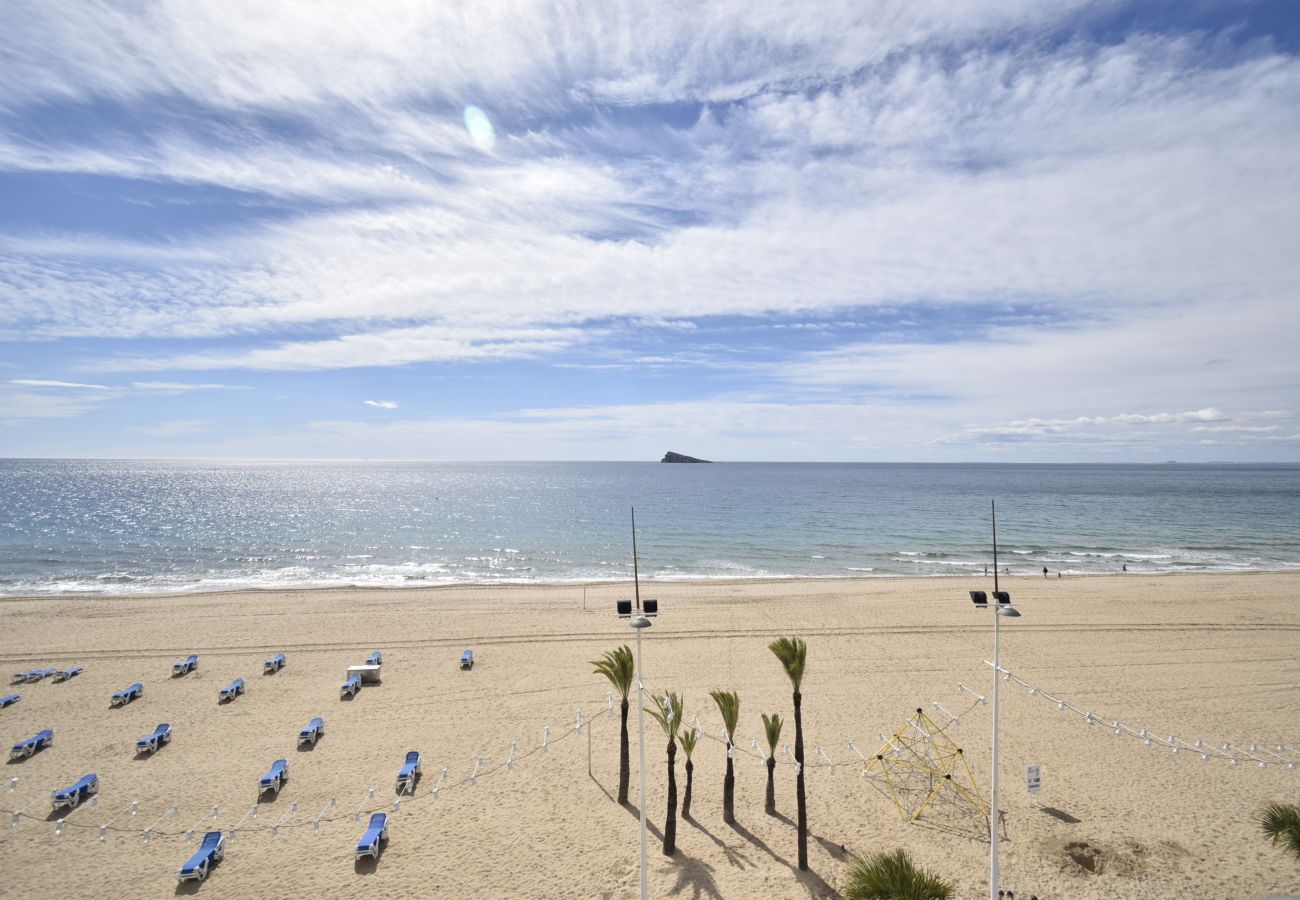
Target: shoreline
727, 581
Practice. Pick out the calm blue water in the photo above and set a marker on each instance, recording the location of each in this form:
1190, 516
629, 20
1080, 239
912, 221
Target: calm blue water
118, 527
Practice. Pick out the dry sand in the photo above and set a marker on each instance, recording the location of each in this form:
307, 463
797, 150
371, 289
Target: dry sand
1202, 657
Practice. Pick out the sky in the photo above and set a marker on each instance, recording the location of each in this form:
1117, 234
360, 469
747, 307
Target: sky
994, 230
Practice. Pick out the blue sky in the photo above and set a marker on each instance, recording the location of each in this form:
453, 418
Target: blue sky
988, 230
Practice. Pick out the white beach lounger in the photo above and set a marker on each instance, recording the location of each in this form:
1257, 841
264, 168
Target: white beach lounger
151, 742
311, 734
126, 695
186, 665
210, 852
70, 797
376, 834
410, 772
35, 743
275, 777
228, 693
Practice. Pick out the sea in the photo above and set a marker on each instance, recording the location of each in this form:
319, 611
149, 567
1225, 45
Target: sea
114, 526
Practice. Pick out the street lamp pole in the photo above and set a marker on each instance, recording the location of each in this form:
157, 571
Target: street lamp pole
1001, 607
640, 623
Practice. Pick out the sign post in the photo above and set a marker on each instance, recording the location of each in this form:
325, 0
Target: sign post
1033, 778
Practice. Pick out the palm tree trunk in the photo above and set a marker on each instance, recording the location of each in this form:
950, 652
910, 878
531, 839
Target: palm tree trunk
670, 820
800, 795
770, 806
686, 802
729, 791
624, 766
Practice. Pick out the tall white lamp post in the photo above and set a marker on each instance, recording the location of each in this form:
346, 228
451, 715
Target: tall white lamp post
641, 623
1001, 607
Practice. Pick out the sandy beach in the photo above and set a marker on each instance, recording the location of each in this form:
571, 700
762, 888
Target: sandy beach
1214, 658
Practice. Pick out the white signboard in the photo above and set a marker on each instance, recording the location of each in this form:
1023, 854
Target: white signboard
1033, 778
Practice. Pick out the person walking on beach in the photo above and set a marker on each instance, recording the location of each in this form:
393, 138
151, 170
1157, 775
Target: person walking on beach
1044, 571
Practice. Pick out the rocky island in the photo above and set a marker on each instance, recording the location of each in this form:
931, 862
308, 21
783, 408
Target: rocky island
671, 457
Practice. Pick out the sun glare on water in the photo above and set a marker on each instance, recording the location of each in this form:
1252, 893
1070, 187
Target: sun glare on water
480, 129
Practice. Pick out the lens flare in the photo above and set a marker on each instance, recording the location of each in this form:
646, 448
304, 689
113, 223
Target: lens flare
480, 129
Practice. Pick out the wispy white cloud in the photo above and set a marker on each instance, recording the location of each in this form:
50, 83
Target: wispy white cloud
381, 404
45, 383
183, 387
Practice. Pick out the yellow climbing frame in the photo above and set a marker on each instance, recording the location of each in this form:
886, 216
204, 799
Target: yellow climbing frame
919, 762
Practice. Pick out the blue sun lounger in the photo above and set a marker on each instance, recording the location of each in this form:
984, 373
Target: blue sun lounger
20, 677
467, 659
275, 777
125, 696
9, 700
231, 691
375, 834
210, 853
29, 747
273, 665
375, 659
70, 797
311, 734
350, 687
410, 772
186, 665
65, 674
151, 742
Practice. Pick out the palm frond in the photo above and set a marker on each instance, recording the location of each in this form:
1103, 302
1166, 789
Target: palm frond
666, 709
892, 876
1281, 822
772, 728
618, 667
793, 654
729, 706
689, 738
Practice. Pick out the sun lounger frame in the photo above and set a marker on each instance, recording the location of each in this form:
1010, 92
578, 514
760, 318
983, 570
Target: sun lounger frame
210, 852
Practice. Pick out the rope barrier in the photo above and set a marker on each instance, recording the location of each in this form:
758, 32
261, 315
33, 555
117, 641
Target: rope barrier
1225, 751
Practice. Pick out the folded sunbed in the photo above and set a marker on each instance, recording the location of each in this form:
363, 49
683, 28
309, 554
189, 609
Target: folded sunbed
65, 674
350, 687
151, 742
274, 664
70, 797
20, 677
210, 852
125, 696
275, 777
186, 665
375, 659
39, 674
376, 833
231, 691
467, 659
311, 734
9, 700
38, 741
410, 772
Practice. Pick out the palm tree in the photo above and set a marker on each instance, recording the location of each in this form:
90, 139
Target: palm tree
689, 739
772, 728
793, 654
1281, 822
617, 666
729, 705
892, 876
667, 711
